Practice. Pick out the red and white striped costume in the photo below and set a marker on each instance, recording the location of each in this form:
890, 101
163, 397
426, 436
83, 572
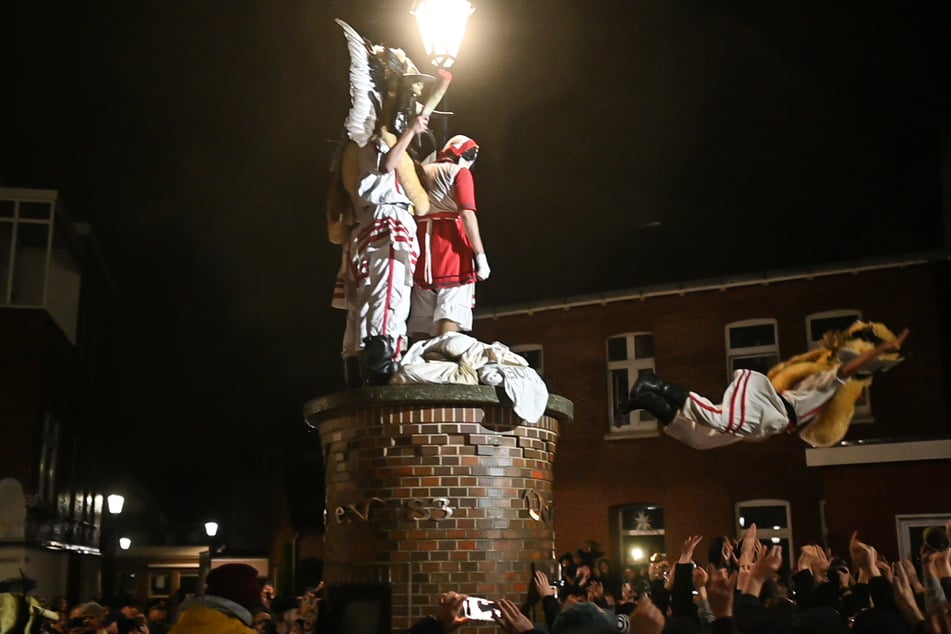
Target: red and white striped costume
751, 409
377, 271
444, 283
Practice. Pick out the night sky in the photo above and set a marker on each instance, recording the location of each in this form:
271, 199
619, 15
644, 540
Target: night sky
623, 143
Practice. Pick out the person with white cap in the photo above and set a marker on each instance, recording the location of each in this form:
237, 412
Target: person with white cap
452, 257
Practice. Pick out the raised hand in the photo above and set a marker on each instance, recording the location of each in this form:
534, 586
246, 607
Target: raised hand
728, 552
686, 551
720, 592
905, 596
912, 575
449, 612
863, 556
646, 618
595, 590
510, 619
750, 546
543, 585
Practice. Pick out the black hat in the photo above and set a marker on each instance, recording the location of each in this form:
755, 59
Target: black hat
17, 584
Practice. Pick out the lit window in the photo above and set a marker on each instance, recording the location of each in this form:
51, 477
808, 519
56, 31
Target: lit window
629, 356
751, 344
641, 530
533, 354
817, 325
773, 524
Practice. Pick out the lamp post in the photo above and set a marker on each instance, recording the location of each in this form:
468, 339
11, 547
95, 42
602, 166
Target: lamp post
442, 24
114, 504
205, 557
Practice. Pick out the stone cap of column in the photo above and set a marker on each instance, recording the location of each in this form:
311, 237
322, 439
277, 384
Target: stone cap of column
331, 405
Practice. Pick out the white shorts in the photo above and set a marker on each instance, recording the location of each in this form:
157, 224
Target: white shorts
430, 306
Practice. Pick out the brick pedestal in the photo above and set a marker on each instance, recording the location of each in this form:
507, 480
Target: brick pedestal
433, 488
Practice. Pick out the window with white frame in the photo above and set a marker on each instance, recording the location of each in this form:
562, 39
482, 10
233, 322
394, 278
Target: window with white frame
629, 356
913, 531
25, 239
532, 353
817, 325
751, 344
773, 523
641, 532
37, 267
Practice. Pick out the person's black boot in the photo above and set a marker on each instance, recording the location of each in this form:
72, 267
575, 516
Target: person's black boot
352, 374
647, 383
675, 395
642, 397
376, 360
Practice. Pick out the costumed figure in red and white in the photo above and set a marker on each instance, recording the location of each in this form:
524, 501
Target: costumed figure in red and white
812, 394
374, 195
452, 257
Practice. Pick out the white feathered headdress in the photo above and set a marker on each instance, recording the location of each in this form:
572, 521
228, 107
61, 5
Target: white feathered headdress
379, 76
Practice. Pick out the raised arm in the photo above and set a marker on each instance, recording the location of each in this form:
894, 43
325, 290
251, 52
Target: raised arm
859, 362
417, 126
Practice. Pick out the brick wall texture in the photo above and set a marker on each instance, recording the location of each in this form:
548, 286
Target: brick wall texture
430, 499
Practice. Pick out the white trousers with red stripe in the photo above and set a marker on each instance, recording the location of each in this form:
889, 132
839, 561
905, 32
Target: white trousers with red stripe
751, 410
385, 296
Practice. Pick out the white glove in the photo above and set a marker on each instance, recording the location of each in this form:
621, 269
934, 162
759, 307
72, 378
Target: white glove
482, 267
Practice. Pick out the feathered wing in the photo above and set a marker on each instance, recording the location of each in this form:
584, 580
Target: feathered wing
364, 94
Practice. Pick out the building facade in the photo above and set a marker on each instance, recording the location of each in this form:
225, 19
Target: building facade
637, 491
55, 305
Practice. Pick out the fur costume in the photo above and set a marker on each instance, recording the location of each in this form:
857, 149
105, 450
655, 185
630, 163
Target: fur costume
385, 87
813, 393
836, 348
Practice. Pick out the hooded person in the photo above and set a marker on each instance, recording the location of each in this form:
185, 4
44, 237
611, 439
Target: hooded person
587, 618
232, 592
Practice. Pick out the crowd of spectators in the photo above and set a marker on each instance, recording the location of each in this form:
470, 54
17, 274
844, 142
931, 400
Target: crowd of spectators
741, 591
235, 601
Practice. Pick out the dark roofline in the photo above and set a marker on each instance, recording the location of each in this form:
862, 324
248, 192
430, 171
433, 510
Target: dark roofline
715, 284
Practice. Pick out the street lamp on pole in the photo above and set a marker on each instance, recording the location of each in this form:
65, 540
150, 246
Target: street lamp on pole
114, 504
442, 23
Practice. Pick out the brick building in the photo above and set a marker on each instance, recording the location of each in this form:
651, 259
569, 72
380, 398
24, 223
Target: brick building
637, 491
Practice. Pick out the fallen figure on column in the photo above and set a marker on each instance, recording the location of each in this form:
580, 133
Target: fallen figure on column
813, 394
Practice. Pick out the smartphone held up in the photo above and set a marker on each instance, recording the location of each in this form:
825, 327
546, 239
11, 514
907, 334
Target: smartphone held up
479, 609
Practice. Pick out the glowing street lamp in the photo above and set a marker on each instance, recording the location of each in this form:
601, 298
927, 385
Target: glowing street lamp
211, 529
442, 23
125, 543
115, 503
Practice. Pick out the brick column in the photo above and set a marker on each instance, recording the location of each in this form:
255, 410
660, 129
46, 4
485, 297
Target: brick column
435, 488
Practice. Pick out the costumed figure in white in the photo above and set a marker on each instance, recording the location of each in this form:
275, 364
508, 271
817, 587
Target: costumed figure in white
812, 394
452, 257
374, 195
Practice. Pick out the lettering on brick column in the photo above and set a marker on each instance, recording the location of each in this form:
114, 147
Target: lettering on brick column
350, 513
538, 509
436, 509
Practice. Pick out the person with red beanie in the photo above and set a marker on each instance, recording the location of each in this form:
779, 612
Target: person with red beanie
232, 592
